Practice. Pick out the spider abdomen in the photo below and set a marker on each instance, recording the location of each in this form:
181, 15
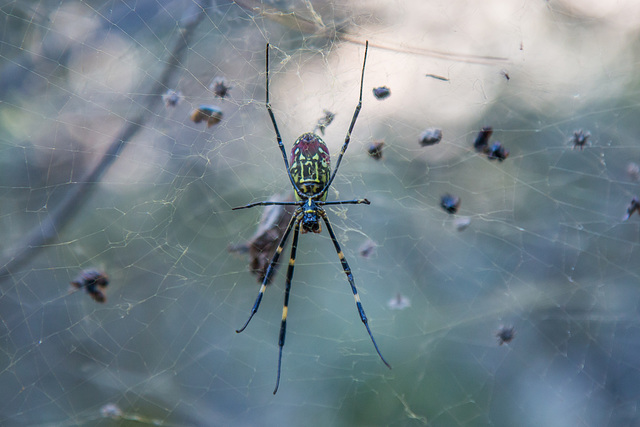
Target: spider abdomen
310, 165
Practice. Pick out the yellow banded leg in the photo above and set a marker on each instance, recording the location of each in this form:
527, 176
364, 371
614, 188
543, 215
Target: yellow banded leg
347, 271
270, 269
285, 307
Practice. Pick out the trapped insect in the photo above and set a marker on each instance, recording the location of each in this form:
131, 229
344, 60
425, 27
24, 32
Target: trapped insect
367, 249
324, 121
633, 171
219, 87
209, 113
375, 149
310, 176
497, 151
462, 223
482, 140
580, 138
437, 77
450, 203
399, 302
264, 242
505, 334
94, 282
494, 152
634, 206
171, 98
430, 136
381, 92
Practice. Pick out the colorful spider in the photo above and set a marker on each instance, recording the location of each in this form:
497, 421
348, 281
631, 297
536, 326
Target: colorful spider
310, 175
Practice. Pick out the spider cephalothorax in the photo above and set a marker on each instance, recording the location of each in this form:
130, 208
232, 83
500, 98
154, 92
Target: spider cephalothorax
311, 217
310, 175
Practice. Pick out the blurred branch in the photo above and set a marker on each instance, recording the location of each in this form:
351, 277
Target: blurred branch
315, 26
49, 228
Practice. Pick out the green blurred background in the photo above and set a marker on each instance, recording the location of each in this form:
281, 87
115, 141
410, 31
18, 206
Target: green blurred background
546, 250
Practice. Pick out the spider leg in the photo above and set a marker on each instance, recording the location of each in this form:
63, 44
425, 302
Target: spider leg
345, 202
267, 203
294, 219
347, 271
275, 125
353, 122
285, 307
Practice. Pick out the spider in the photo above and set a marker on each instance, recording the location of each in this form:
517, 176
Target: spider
310, 175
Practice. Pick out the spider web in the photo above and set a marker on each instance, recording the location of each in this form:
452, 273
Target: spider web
98, 173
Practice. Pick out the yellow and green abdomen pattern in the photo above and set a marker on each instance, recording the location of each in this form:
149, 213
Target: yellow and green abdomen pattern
310, 164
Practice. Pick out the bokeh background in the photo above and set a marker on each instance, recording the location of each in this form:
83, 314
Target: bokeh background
96, 172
